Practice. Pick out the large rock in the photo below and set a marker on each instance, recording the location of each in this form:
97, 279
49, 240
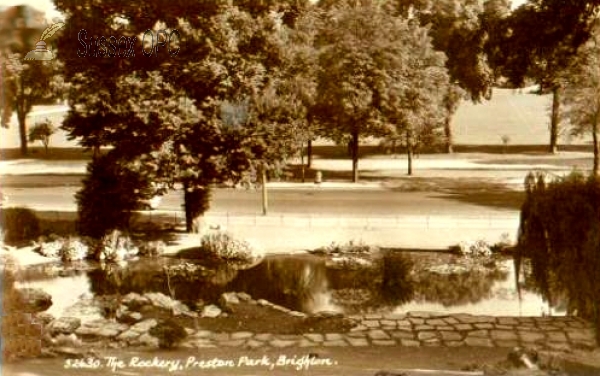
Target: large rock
160, 300
211, 311
35, 300
64, 325
134, 301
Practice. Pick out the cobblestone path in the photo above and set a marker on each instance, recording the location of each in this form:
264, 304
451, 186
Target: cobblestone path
423, 329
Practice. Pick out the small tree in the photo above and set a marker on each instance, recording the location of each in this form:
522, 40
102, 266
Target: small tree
42, 132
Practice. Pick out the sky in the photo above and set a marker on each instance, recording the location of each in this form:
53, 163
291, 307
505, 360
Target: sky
48, 6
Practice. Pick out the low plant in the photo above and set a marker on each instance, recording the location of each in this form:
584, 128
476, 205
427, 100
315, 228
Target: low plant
73, 249
351, 247
169, 333
225, 247
116, 246
478, 248
19, 224
152, 248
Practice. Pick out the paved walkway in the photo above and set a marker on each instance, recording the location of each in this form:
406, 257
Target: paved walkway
423, 329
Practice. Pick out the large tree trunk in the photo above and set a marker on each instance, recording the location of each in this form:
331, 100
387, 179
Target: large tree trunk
555, 120
596, 169
355, 146
23, 133
448, 132
195, 202
309, 154
410, 152
263, 182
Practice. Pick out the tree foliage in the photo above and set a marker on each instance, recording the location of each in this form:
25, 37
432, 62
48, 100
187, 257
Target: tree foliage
559, 231
42, 132
581, 99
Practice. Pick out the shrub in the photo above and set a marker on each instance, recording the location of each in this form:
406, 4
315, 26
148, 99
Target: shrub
349, 248
152, 248
110, 194
169, 333
478, 248
116, 246
224, 246
19, 224
73, 250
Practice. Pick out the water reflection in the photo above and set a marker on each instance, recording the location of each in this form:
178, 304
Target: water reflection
390, 282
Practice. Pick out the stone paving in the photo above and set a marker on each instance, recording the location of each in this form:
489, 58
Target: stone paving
423, 329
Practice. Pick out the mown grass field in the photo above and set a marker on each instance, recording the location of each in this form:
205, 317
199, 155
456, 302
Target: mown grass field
520, 115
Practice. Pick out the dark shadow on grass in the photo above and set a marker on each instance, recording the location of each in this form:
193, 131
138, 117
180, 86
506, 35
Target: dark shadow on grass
507, 199
42, 181
54, 154
518, 149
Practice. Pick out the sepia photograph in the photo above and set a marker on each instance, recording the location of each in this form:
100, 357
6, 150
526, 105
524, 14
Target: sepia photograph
300, 187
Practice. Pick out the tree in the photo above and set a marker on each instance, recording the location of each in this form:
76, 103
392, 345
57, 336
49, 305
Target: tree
23, 83
547, 34
163, 115
42, 132
581, 99
347, 96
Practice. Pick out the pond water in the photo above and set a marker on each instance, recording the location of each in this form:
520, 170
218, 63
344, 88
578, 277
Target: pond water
404, 282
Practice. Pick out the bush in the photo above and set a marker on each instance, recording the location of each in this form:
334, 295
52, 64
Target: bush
152, 248
349, 248
223, 246
169, 333
20, 225
109, 195
116, 246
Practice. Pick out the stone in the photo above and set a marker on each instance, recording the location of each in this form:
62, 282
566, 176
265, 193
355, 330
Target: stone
426, 335
67, 340
280, 308
420, 315
211, 311
315, 337
148, 340
134, 301
404, 324
479, 342
69, 352
232, 343
478, 333
263, 337
410, 343
463, 327
388, 323
503, 335
394, 316
128, 335
241, 335
279, 343
556, 336
253, 344
581, 335
454, 343
424, 327
228, 298
64, 325
306, 343
444, 327
107, 332
558, 346
297, 314
359, 328
34, 300
333, 336
435, 342
328, 315
263, 302
484, 326
378, 335
220, 337
506, 344
373, 316
144, 326
371, 323
202, 334
130, 317
180, 309
402, 334
416, 321
357, 342
336, 343
160, 300
202, 343
357, 334
531, 336
451, 320
244, 297
384, 342
450, 336
435, 322
508, 321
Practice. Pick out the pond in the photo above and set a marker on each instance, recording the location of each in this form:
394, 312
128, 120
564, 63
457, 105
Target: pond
393, 283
